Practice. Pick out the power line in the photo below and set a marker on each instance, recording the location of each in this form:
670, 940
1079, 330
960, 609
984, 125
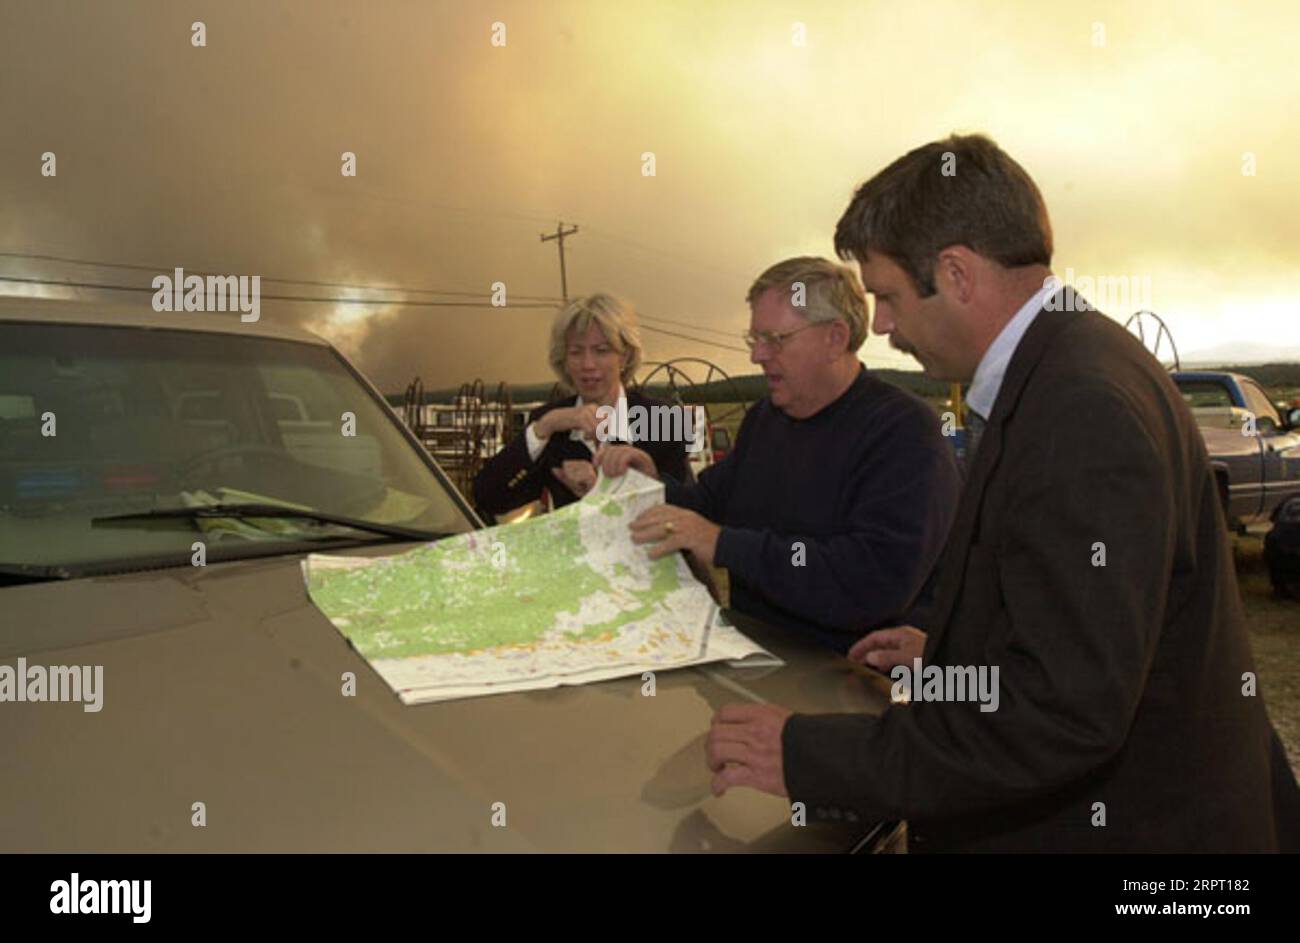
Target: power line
730, 335
671, 257
131, 266
525, 301
397, 303
372, 301
698, 340
157, 269
345, 286
474, 215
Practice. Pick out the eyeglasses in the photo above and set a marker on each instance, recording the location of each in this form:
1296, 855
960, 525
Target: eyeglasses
773, 339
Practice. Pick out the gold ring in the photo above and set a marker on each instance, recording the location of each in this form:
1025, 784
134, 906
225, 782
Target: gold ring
668, 528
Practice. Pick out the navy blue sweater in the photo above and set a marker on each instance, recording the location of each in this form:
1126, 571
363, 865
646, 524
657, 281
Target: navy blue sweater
831, 524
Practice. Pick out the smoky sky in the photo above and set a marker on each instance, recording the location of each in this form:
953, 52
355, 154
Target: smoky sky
1139, 123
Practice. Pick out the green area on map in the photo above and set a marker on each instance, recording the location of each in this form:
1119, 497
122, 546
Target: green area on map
502, 587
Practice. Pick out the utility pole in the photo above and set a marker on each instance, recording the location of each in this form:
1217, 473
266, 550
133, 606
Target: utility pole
558, 236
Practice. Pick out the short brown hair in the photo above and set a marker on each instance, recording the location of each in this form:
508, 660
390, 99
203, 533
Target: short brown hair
831, 292
962, 190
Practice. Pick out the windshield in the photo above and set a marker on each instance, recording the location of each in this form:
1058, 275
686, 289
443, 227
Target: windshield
101, 421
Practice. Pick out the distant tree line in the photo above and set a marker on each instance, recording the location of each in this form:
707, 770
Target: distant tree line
1268, 375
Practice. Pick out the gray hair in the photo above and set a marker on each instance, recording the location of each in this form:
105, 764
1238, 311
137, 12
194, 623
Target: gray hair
830, 293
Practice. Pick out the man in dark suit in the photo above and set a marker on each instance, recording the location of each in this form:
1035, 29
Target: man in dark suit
1089, 563
595, 349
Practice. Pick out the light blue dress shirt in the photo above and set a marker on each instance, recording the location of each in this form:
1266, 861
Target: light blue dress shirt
992, 368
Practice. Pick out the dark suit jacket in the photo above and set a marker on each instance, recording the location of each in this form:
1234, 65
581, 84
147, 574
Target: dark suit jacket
510, 479
1120, 684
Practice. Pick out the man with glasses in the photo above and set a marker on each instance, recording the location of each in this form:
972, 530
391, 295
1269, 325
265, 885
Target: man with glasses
835, 502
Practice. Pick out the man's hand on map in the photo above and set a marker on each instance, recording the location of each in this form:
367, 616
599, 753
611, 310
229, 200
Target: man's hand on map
614, 460
670, 528
744, 748
576, 475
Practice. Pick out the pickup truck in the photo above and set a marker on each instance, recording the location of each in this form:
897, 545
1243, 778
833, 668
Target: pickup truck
1254, 450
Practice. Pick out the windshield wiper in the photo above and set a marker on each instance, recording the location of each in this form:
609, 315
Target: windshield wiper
13, 573
273, 511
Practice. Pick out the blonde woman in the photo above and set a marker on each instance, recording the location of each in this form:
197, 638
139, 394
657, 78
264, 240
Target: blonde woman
595, 351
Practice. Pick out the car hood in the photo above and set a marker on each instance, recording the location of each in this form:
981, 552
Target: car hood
223, 685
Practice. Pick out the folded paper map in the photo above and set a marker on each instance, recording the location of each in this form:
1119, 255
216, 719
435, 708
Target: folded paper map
564, 598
